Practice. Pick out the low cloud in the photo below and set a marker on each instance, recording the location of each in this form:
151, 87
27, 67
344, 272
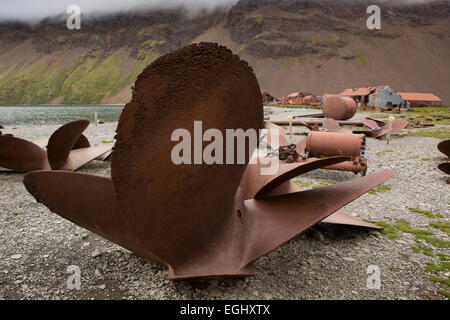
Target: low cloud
33, 11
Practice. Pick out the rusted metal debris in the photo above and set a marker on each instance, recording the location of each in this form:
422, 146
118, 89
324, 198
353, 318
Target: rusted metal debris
339, 108
397, 126
379, 128
320, 144
201, 221
444, 147
67, 149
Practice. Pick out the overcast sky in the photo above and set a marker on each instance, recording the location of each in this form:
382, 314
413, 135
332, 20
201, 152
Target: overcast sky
35, 10
27, 10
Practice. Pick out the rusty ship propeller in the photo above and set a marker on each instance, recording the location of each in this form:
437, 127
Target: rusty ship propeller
202, 220
67, 149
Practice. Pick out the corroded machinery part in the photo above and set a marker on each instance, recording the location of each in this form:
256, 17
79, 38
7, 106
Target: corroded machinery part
21, 155
396, 126
444, 147
220, 90
68, 149
340, 217
331, 125
339, 108
327, 144
445, 167
200, 220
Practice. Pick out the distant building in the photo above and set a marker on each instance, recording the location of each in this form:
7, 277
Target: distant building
421, 99
376, 97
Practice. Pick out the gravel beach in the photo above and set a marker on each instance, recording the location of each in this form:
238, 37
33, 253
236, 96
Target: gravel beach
327, 262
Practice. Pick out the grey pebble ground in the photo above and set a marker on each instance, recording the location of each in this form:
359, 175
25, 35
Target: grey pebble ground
328, 262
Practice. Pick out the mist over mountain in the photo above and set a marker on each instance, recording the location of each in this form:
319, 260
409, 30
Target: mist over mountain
322, 46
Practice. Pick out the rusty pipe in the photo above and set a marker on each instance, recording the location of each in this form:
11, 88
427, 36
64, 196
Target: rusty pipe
327, 144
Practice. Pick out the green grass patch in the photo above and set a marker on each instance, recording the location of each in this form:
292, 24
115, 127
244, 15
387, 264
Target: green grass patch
440, 280
382, 153
420, 247
303, 184
443, 256
438, 133
389, 230
88, 79
323, 184
444, 293
313, 185
435, 242
444, 226
441, 267
404, 226
381, 188
426, 213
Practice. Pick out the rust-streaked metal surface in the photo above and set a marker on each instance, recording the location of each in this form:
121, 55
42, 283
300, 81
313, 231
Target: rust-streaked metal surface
397, 126
339, 108
445, 167
22, 156
199, 220
276, 132
444, 147
83, 142
62, 142
371, 124
339, 217
255, 185
327, 144
67, 149
331, 125
355, 166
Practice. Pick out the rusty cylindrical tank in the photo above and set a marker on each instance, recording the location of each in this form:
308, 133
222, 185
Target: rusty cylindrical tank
339, 108
328, 144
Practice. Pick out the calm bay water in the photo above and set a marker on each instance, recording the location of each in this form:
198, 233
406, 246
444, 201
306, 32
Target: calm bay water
11, 116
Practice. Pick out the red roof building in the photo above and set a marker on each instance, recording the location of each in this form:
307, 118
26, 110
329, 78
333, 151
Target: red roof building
421, 99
